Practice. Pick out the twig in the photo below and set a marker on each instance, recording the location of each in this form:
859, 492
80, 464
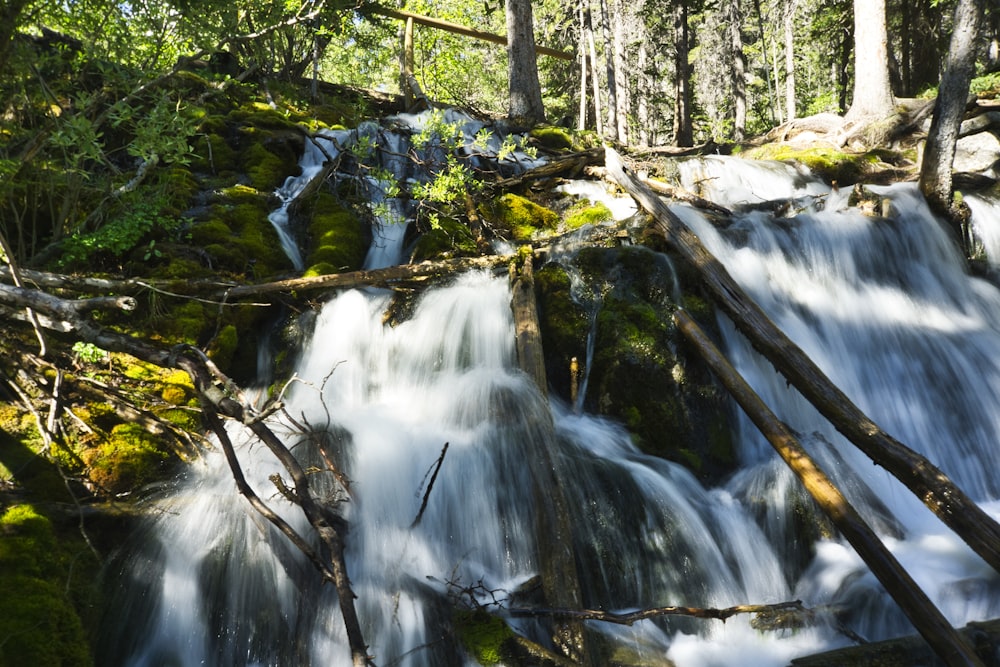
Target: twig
630, 618
430, 485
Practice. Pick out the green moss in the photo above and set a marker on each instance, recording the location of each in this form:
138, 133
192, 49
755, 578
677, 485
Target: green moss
266, 170
339, 236
827, 163
38, 624
483, 636
223, 346
321, 269
211, 231
520, 216
451, 238
129, 459
585, 213
553, 138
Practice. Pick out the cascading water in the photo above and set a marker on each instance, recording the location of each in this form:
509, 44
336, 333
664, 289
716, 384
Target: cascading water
882, 305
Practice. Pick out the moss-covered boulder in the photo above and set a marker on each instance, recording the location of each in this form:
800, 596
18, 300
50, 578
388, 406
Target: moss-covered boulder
339, 239
639, 373
520, 217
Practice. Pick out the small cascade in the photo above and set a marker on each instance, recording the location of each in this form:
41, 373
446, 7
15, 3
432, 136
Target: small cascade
883, 305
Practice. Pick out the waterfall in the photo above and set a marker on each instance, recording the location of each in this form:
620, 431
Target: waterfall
881, 304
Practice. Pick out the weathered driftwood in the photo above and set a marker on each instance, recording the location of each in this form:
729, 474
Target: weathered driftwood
978, 529
926, 618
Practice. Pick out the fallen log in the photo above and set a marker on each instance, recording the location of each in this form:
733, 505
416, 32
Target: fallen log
393, 276
953, 647
567, 165
948, 502
905, 651
527, 332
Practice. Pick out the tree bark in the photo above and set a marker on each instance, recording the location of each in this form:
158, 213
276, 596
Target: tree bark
790, 110
953, 648
683, 131
525, 90
734, 25
939, 153
873, 98
959, 512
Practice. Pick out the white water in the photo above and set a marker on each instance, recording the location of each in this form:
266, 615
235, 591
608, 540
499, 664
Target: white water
881, 305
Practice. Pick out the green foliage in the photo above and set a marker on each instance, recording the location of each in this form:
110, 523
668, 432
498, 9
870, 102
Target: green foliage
89, 353
129, 225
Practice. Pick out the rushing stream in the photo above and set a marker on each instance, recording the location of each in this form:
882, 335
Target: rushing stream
882, 305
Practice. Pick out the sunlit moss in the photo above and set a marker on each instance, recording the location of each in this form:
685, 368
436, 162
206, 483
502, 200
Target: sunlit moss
520, 216
483, 635
587, 213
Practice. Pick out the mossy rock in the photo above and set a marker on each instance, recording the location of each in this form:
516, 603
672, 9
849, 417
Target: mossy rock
266, 169
639, 374
552, 137
520, 216
128, 460
587, 213
450, 238
320, 269
38, 622
340, 239
484, 636
223, 346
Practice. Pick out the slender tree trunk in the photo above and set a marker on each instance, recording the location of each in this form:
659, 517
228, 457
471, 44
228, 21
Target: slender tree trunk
734, 23
790, 110
873, 98
525, 90
683, 132
643, 91
905, 49
939, 154
595, 79
621, 33
582, 50
771, 102
611, 126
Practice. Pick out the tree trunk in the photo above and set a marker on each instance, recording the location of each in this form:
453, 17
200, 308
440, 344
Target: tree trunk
643, 91
771, 102
683, 131
980, 531
790, 110
622, 33
525, 90
873, 98
582, 50
595, 79
611, 125
953, 648
734, 25
939, 154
